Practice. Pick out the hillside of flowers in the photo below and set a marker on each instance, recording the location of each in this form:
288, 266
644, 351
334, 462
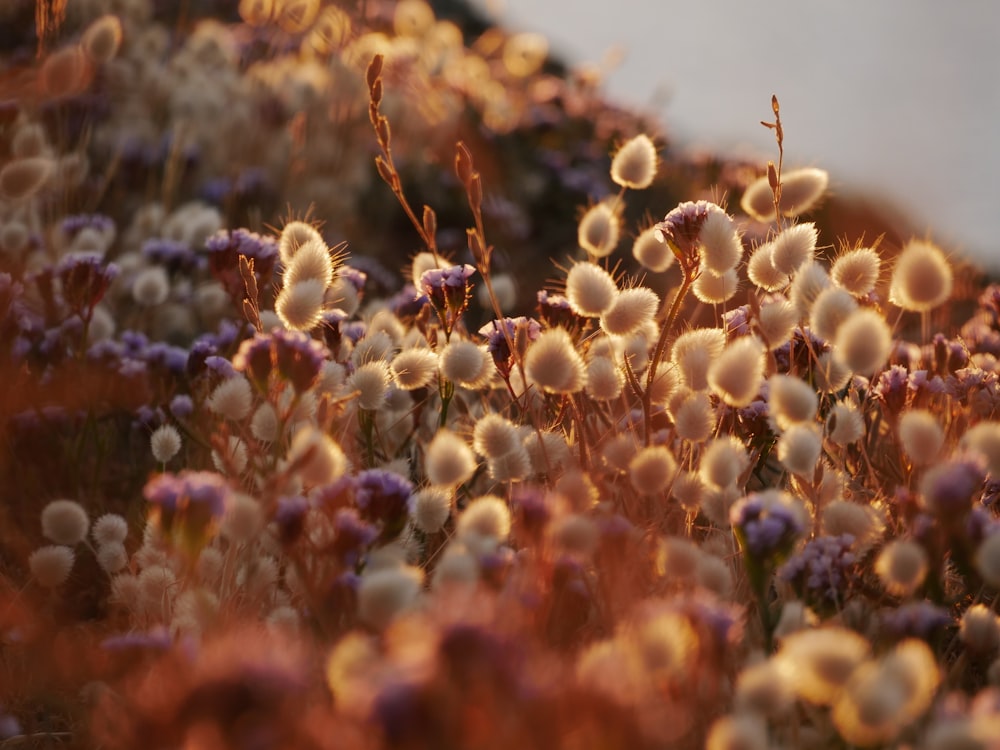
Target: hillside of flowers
369, 381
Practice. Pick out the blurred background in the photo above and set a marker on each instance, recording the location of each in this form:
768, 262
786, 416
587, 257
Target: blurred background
898, 99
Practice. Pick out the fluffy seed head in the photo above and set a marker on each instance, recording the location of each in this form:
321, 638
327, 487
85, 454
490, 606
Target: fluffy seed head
988, 560
243, 519
921, 436
809, 281
721, 248
830, 374
714, 290
65, 72
801, 189
465, 363
22, 178
264, 423
300, 305
738, 732
294, 235
414, 368
793, 247
486, 516
371, 381
51, 565
693, 416
694, 352
320, 460
311, 261
799, 449
856, 271
605, 379
151, 286
790, 400
776, 322
831, 307
165, 442
863, 341
102, 39
590, 289
652, 469
553, 363
599, 230
232, 398
109, 528
65, 522
652, 254
901, 567
922, 278
860, 521
112, 557
736, 375
385, 593
984, 439
431, 508
818, 662
761, 269
510, 467
495, 436
979, 630
631, 309
448, 460
634, 164
722, 462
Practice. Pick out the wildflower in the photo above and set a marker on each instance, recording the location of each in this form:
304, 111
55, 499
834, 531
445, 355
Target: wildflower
681, 228
109, 528
449, 292
185, 506
590, 289
631, 309
51, 565
553, 363
862, 522
232, 399
948, 489
85, 279
555, 311
634, 164
762, 271
988, 560
65, 522
863, 341
652, 469
520, 331
599, 230
736, 375
822, 570
224, 249
165, 442
819, 662
448, 460
922, 277
984, 439
856, 271
919, 619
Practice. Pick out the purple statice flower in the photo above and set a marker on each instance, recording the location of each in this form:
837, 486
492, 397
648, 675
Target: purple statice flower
385, 498
224, 250
167, 358
821, 571
736, 322
156, 638
923, 389
72, 225
220, 366
298, 358
914, 620
448, 291
173, 255
949, 489
134, 343
949, 355
979, 524
354, 277
680, 228
182, 406
406, 303
354, 330
199, 352
10, 293
531, 511
518, 330
289, 517
766, 525
330, 328
554, 311
187, 503
255, 358
891, 390
85, 279
352, 537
